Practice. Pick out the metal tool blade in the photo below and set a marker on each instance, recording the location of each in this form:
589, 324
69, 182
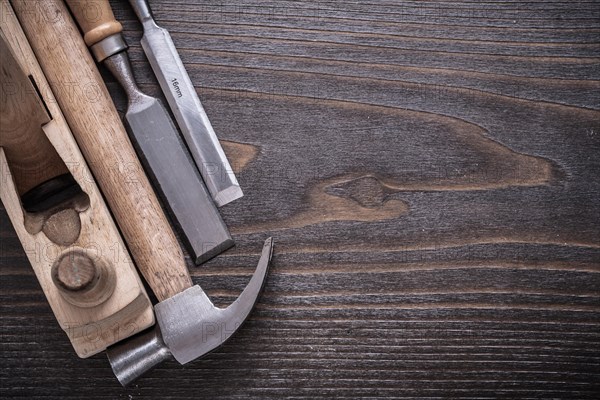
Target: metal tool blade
189, 113
176, 178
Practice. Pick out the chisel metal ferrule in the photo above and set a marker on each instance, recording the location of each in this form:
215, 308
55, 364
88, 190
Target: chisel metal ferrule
107, 47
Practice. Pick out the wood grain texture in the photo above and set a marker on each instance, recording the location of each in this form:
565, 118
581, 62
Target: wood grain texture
430, 173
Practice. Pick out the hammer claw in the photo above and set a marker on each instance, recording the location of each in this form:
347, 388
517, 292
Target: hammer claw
189, 327
192, 326
238, 311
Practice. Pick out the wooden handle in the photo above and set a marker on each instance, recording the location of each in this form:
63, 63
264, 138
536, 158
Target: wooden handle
96, 19
103, 140
32, 158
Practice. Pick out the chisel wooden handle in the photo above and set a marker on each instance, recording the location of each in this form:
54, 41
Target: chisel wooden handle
96, 19
103, 140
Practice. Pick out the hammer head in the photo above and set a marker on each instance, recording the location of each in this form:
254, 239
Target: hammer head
189, 327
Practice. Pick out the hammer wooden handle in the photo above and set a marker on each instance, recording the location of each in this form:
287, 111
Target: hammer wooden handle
103, 140
96, 19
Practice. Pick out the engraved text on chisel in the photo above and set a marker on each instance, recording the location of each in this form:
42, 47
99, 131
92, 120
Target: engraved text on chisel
175, 84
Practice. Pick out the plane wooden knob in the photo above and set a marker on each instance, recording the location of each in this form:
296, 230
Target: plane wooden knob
75, 272
83, 279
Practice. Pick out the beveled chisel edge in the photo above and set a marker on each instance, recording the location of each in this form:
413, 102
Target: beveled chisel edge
228, 195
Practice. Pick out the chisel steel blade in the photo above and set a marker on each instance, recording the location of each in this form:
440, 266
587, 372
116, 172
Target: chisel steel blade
189, 113
177, 180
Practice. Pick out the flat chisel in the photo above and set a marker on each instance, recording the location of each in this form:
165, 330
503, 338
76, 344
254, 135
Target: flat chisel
157, 140
185, 104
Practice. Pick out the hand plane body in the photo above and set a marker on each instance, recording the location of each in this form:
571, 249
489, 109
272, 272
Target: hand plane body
57, 210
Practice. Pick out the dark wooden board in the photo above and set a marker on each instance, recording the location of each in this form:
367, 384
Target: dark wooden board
431, 174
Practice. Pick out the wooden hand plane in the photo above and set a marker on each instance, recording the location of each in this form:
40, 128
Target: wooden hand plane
57, 210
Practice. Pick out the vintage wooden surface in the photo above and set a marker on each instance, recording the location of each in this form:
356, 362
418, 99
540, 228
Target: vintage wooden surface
431, 174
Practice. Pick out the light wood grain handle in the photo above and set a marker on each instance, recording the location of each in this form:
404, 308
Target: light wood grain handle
103, 140
96, 19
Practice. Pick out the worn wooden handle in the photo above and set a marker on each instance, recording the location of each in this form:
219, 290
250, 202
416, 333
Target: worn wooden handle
96, 19
103, 140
